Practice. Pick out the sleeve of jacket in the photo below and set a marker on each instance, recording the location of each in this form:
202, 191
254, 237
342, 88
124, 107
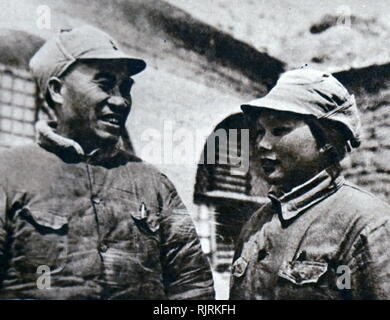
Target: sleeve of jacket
370, 262
186, 270
3, 232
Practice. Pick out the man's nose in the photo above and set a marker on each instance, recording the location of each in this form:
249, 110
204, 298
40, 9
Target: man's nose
118, 103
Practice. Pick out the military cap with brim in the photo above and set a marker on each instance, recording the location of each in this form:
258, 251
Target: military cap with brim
82, 43
311, 92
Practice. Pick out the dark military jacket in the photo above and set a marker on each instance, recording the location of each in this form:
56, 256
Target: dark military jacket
326, 239
104, 226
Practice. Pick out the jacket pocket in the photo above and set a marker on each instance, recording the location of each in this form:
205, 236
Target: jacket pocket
41, 240
146, 220
145, 216
302, 272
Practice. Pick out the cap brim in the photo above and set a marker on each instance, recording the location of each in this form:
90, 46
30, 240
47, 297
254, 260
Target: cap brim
271, 103
135, 65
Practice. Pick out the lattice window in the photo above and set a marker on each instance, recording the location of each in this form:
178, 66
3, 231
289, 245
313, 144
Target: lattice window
17, 106
226, 193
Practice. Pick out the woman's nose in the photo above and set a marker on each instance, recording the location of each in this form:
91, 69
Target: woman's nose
266, 142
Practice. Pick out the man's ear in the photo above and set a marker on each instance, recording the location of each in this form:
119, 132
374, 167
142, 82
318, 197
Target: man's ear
54, 87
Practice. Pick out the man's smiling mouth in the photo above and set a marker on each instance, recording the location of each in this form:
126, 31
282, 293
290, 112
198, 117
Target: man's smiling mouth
112, 119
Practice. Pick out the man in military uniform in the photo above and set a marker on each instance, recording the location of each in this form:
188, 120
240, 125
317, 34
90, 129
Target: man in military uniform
77, 208
319, 237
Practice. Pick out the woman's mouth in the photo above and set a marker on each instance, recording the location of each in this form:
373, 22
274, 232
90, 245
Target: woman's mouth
268, 165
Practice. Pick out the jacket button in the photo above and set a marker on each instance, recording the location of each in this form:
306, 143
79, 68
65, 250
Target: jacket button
95, 200
103, 248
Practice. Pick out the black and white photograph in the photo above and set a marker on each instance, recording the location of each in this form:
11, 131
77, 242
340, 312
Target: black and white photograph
200, 150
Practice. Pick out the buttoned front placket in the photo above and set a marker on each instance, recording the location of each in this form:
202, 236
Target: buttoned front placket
97, 205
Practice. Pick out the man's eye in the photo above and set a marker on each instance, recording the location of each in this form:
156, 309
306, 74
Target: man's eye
105, 84
280, 131
125, 87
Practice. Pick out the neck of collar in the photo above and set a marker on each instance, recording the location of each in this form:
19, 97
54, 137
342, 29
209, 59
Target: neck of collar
69, 149
294, 202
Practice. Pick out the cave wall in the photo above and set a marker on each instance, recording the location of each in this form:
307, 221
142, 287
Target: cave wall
369, 165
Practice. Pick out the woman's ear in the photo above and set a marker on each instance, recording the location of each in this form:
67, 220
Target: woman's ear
54, 87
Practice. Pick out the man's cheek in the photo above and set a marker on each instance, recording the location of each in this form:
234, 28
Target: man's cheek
91, 98
91, 94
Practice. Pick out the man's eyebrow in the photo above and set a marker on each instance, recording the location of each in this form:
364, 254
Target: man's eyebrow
104, 75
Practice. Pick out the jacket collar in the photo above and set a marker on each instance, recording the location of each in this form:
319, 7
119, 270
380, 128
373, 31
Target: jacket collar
289, 205
68, 149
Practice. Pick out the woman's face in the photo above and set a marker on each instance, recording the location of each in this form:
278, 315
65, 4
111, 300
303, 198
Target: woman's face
285, 151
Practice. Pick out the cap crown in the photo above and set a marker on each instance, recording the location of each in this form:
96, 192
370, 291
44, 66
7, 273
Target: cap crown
312, 92
68, 46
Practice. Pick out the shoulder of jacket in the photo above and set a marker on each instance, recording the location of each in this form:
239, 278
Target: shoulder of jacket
140, 165
252, 225
362, 199
20, 154
358, 207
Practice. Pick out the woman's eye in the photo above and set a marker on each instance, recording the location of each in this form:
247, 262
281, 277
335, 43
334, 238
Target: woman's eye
280, 131
255, 134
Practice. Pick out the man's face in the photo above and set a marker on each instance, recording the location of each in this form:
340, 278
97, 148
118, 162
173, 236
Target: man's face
96, 102
285, 151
